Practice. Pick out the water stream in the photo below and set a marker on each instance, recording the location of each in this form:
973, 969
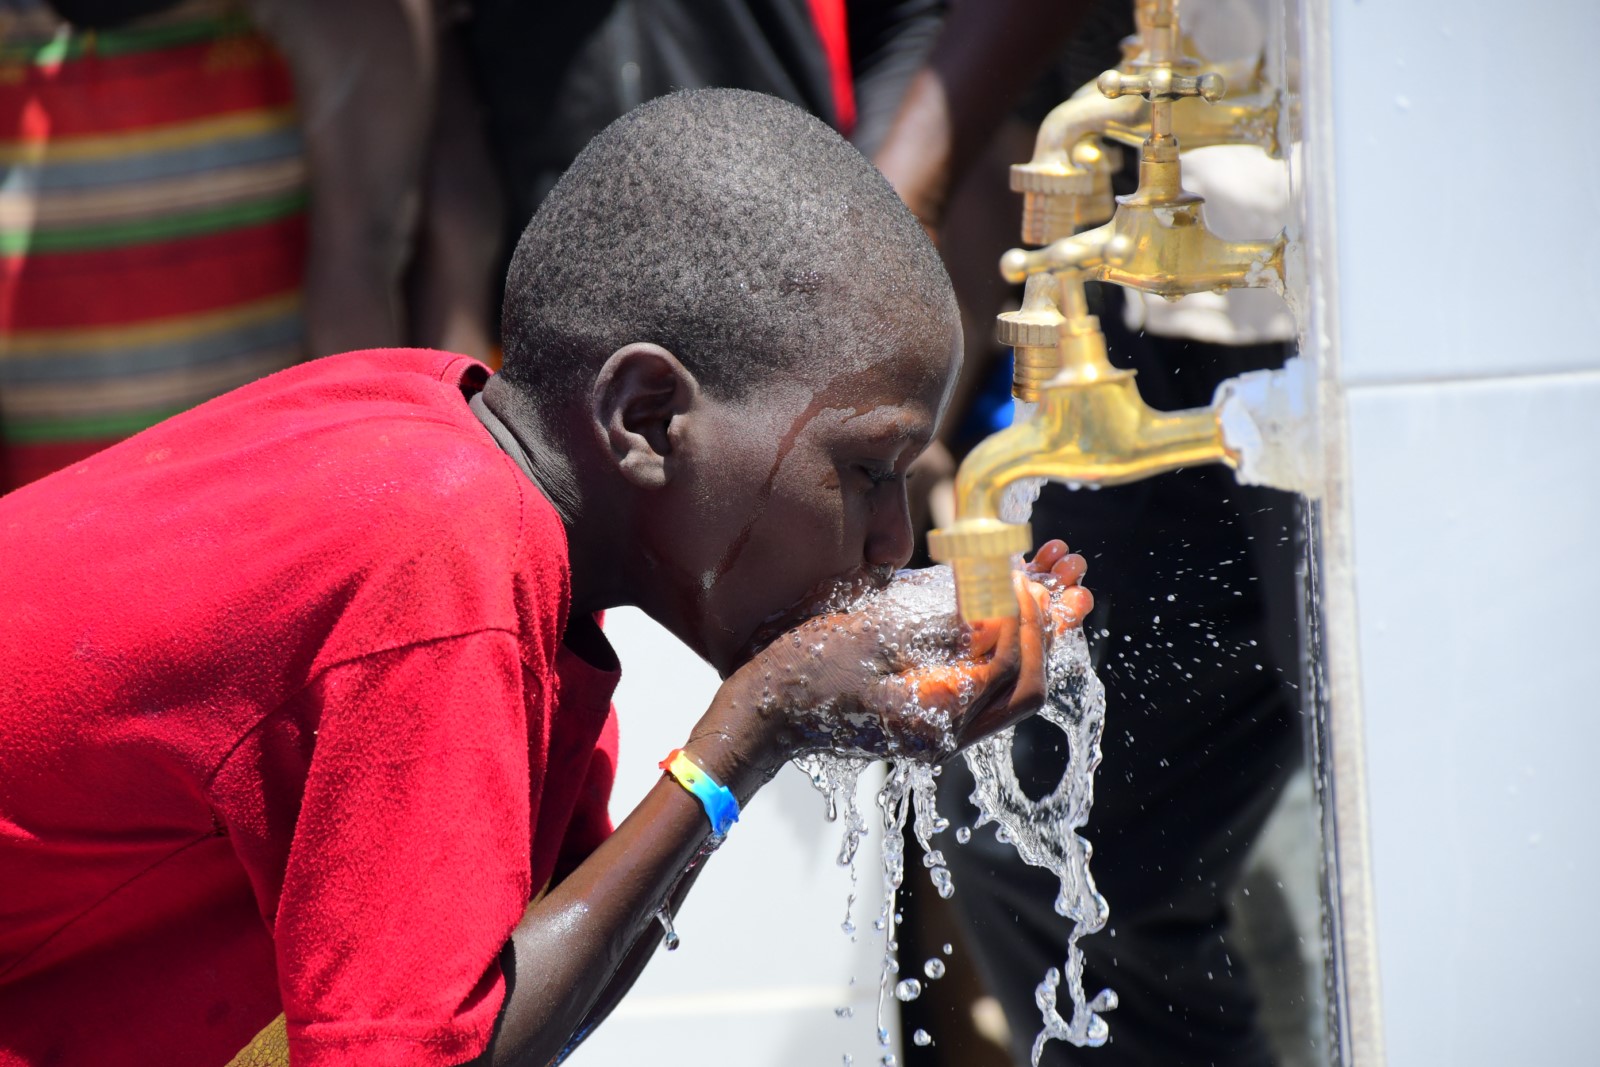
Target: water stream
1044, 832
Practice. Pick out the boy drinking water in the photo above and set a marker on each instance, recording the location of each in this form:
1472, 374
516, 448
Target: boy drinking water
304, 704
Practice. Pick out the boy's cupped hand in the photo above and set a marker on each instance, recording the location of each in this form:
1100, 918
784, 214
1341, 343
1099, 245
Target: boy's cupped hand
879, 681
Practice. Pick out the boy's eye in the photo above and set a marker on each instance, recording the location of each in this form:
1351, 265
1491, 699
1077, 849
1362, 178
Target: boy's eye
878, 475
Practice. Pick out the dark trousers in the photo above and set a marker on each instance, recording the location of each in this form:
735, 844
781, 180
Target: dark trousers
1195, 586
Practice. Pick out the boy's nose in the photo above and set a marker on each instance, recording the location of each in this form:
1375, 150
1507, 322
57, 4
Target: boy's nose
891, 539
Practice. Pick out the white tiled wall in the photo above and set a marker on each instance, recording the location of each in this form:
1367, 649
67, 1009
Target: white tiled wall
1469, 301
763, 962
1465, 168
1475, 518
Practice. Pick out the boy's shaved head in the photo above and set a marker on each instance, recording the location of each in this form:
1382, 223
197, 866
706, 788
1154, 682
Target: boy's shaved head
729, 227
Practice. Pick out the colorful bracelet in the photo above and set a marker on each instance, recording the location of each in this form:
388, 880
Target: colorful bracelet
721, 808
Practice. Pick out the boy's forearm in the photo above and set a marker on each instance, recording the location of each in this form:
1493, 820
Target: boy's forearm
578, 950
633, 965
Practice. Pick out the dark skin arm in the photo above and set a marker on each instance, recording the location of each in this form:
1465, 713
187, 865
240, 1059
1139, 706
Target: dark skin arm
454, 278
579, 948
987, 56
364, 73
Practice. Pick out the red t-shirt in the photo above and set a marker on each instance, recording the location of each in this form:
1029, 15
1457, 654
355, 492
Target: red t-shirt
286, 724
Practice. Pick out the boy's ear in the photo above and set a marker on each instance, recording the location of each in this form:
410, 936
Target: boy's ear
640, 390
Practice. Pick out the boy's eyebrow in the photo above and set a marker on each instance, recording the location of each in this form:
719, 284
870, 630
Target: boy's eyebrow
895, 428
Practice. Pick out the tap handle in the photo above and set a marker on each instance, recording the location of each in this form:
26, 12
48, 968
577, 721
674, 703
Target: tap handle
1162, 84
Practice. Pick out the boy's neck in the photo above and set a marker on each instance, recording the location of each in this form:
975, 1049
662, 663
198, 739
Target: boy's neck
555, 475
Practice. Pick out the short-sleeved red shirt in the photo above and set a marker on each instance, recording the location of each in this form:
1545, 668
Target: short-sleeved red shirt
286, 724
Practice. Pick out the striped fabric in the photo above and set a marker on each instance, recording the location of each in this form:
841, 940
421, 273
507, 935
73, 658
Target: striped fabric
152, 224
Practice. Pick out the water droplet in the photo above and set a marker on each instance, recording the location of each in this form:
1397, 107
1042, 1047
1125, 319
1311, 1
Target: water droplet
846, 1012
934, 968
963, 835
920, 1037
669, 936
908, 989
948, 948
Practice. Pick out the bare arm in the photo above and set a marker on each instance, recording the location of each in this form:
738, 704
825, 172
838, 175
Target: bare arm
889, 42
579, 948
987, 56
364, 73
455, 276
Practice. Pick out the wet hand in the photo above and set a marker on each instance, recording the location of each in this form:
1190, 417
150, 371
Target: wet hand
898, 676
1051, 601
1062, 570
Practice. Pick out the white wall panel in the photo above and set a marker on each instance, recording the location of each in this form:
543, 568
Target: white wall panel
1476, 511
1466, 166
763, 962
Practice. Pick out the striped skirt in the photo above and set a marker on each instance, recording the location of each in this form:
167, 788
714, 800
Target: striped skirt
152, 225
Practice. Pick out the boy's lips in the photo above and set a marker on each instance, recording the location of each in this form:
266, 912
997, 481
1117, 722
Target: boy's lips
827, 596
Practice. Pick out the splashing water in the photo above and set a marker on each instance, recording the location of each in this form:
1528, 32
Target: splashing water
1043, 832
1016, 502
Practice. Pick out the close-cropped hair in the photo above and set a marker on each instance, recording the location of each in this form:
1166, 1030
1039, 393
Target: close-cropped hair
731, 228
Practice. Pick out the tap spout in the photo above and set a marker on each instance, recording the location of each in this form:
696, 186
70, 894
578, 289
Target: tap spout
1067, 183
1093, 433
1092, 428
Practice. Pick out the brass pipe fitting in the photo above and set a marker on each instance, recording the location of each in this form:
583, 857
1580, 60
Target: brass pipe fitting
1086, 433
1030, 332
1157, 242
980, 553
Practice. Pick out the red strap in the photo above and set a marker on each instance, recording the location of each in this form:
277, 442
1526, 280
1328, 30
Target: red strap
834, 29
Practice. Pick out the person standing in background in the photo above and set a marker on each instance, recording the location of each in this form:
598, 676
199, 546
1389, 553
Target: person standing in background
196, 194
1195, 632
552, 76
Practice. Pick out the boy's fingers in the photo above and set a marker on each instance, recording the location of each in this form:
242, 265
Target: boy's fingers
1074, 606
1047, 556
1070, 568
987, 634
1013, 683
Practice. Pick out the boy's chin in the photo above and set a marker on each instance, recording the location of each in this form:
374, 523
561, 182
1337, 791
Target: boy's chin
827, 597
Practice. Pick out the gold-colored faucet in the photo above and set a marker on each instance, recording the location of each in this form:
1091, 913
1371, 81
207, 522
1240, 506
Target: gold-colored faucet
1067, 184
1092, 428
1157, 240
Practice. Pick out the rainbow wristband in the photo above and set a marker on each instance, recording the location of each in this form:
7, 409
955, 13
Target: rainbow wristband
721, 808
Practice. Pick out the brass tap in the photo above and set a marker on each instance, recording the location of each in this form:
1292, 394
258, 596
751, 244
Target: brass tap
1157, 240
1067, 184
1092, 428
